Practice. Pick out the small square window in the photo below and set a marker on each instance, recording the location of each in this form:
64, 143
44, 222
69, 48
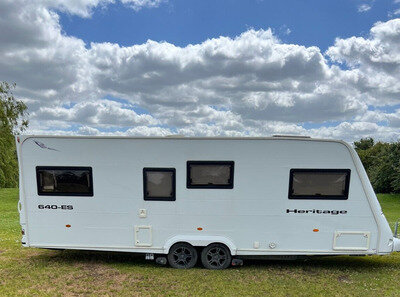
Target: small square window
159, 184
210, 174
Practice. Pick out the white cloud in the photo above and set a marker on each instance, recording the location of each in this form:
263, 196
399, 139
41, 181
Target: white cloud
375, 62
102, 113
356, 130
82, 8
364, 7
139, 4
253, 74
136, 131
395, 12
252, 84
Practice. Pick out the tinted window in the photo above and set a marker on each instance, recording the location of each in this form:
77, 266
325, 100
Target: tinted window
210, 174
319, 183
64, 181
159, 184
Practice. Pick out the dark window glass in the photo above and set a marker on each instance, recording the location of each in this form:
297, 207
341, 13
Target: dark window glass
159, 184
64, 181
210, 174
319, 183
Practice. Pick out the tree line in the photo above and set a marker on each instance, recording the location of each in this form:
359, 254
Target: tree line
13, 121
380, 159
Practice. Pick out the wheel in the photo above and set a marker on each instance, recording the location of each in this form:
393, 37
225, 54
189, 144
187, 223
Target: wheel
216, 256
182, 255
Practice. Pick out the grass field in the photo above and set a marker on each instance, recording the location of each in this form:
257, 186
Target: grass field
33, 272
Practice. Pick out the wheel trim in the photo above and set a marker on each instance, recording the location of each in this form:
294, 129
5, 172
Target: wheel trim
182, 256
216, 257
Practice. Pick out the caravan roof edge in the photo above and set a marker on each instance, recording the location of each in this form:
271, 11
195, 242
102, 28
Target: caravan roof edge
289, 137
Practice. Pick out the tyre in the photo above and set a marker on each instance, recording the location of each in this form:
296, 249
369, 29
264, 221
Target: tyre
182, 256
216, 256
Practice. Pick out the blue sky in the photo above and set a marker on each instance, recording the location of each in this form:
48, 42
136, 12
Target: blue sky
328, 69
182, 22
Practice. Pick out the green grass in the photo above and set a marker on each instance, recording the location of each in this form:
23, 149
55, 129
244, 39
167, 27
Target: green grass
33, 272
391, 207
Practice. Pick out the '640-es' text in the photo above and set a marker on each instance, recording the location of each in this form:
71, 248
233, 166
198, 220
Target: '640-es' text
54, 206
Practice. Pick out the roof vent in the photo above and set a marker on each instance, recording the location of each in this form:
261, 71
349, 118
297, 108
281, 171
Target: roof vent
291, 136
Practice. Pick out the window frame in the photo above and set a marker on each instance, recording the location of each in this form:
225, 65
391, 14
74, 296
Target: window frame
345, 196
231, 178
72, 194
158, 169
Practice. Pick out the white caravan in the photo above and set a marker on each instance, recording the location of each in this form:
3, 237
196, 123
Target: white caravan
214, 199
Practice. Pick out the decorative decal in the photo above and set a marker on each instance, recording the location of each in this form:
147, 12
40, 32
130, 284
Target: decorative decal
317, 211
43, 146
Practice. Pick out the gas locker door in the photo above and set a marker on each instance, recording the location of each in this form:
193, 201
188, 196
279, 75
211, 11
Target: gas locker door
351, 240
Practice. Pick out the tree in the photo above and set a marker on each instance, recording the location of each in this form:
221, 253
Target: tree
395, 161
364, 144
13, 121
381, 160
380, 170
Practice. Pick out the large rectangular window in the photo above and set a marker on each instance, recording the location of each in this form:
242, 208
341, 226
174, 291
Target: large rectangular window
159, 184
64, 181
319, 183
210, 174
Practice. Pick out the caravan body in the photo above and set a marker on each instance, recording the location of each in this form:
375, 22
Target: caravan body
255, 196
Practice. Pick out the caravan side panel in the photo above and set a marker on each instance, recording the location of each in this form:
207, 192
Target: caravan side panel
255, 217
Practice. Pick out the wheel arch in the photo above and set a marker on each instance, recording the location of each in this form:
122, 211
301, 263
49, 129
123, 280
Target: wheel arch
200, 241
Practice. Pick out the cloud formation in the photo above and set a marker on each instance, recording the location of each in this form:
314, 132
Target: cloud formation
364, 7
252, 84
84, 8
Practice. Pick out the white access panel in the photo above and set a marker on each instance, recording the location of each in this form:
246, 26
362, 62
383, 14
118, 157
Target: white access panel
143, 236
352, 240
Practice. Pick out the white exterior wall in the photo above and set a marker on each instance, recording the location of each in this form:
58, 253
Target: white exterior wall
253, 211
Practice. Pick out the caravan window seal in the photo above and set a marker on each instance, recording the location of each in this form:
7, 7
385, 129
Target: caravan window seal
190, 185
344, 196
40, 169
146, 195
